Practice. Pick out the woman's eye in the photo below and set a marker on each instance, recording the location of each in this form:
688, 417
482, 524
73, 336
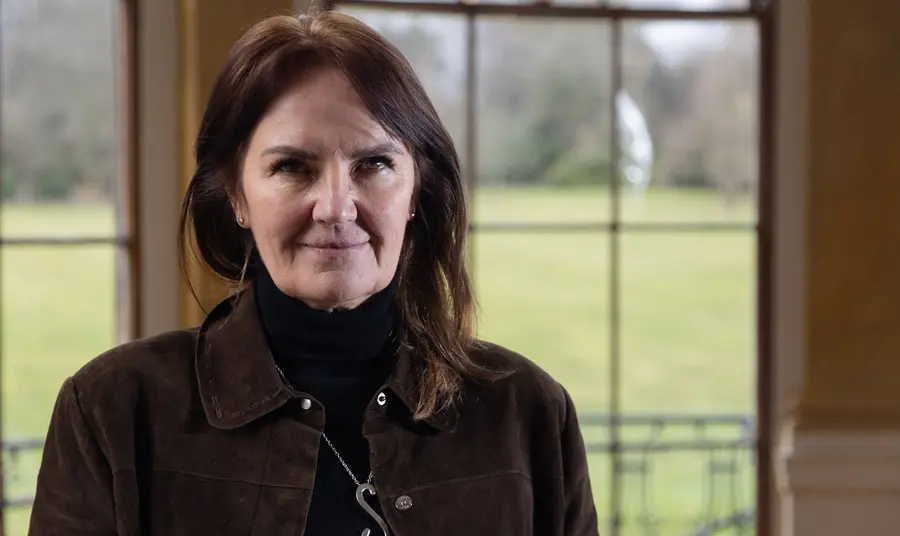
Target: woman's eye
287, 167
375, 164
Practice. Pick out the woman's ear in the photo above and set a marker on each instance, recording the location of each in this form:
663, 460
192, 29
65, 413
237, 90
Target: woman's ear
413, 200
412, 211
235, 194
239, 212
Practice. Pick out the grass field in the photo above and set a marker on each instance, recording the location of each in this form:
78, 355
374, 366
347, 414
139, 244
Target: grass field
686, 339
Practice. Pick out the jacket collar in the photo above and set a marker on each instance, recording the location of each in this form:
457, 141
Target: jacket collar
404, 381
237, 377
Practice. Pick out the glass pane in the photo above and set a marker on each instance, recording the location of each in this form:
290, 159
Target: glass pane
546, 296
600, 467
27, 220
688, 369
543, 121
687, 324
434, 45
302, 3
21, 460
686, 5
70, 290
16, 520
59, 113
689, 121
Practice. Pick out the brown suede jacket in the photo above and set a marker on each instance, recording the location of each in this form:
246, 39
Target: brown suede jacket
194, 433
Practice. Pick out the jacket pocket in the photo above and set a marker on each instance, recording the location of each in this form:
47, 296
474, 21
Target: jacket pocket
487, 505
189, 504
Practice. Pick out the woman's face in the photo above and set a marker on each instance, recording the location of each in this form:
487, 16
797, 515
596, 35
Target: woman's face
327, 194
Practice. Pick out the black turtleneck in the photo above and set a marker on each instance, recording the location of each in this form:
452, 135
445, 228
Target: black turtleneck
340, 358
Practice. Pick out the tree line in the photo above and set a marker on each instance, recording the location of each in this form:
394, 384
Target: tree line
543, 99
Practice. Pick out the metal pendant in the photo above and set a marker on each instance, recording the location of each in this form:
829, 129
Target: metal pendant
365, 506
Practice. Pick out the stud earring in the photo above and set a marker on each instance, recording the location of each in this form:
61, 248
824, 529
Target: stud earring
240, 220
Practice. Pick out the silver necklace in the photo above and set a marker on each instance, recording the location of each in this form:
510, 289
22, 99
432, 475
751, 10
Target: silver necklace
361, 489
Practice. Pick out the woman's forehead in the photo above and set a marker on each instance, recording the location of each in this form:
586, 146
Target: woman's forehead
322, 112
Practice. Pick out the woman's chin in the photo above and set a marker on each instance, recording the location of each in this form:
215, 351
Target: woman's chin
332, 291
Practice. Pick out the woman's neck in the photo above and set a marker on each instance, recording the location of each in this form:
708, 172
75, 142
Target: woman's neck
297, 332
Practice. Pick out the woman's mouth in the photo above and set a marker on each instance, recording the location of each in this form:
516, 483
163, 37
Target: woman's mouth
334, 247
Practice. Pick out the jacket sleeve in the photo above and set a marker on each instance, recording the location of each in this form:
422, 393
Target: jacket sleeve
74, 487
580, 516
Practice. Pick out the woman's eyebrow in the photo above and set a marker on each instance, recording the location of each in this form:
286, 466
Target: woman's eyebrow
290, 150
306, 154
377, 150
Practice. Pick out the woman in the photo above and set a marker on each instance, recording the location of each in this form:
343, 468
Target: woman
340, 390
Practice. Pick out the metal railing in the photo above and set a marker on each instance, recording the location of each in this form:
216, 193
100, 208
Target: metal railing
16, 455
676, 474
703, 467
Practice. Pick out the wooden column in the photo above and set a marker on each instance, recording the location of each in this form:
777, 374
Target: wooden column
853, 217
208, 30
840, 454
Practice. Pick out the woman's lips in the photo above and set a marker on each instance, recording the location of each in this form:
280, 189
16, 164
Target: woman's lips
335, 247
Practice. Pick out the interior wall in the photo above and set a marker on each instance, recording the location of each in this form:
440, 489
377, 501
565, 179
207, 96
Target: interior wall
209, 28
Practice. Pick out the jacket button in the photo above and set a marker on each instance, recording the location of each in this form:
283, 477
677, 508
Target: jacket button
403, 502
305, 404
382, 399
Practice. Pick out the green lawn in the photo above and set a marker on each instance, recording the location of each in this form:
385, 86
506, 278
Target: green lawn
686, 321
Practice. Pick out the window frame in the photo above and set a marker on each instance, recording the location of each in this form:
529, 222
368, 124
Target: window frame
763, 14
126, 238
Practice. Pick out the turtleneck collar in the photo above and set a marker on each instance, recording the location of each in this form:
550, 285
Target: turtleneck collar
300, 336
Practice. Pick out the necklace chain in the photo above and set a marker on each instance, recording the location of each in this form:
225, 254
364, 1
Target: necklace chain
331, 446
346, 468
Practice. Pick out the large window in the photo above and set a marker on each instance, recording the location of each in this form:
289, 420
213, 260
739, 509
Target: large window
66, 233
614, 164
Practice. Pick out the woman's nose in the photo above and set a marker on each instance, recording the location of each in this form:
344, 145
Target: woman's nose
334, 201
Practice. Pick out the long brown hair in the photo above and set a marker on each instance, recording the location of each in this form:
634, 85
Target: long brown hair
434, 301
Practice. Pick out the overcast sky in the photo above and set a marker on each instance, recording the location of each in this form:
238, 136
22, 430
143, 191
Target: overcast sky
672, 40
